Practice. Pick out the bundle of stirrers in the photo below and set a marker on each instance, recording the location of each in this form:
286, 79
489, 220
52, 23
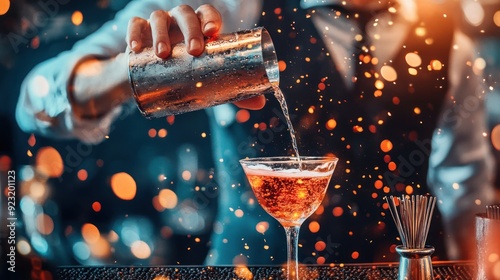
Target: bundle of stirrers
493, 212
412, 215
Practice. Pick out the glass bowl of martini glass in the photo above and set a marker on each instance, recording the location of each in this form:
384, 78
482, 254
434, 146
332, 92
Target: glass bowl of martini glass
290, 189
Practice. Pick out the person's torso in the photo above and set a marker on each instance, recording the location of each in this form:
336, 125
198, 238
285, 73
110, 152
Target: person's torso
380, 129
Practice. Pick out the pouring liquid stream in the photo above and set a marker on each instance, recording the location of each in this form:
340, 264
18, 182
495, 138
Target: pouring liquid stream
284, 107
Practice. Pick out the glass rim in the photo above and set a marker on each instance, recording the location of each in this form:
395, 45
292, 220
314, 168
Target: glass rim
290, 159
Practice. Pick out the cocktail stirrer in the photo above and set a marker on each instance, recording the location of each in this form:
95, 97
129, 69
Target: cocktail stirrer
412, 216
493, 212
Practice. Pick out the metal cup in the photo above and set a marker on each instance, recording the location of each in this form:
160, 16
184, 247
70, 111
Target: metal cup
233, 67
415, 264
487, 247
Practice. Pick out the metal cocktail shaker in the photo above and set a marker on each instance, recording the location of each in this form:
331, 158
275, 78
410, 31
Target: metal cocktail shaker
233, 67
487, 247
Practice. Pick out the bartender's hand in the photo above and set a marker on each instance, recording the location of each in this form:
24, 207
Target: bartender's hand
182, 23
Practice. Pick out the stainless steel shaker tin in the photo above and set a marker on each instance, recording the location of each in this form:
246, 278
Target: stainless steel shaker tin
487, 247
233, 67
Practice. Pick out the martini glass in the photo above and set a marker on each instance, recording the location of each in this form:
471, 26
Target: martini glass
290, 190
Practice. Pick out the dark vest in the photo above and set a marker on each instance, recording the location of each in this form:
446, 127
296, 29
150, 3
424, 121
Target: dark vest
404, 112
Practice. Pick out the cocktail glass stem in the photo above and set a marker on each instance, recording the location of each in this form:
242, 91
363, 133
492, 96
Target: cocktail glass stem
292, 265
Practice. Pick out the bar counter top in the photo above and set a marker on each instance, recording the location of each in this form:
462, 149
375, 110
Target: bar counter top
377, 271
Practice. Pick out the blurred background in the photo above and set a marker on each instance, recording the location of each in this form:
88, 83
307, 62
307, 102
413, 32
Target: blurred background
51, 226
481, 21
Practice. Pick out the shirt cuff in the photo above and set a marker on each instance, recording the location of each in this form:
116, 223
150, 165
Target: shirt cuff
44, 106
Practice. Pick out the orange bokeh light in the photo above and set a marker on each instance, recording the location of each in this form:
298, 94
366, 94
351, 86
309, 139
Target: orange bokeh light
392, 166
389, 73
436, 65
5, 163
186, 175
167, 198
338, 211
4, 6
395, 100
90, 233
392, 248
262, 227
320, 260
320, 246
82, 174
413, 59
162, 133
77, 18
242, 116
314, 226
357, 129
170, 120
35, 42
387, 158
495, 137
409, 189
140, 249
156, 204
100, 248
32, 140
282, 65
152, 132
45, 224
320, 210
331, 124
386, 146
123, 186
496, 18
239, 213
49, 162
96, 206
